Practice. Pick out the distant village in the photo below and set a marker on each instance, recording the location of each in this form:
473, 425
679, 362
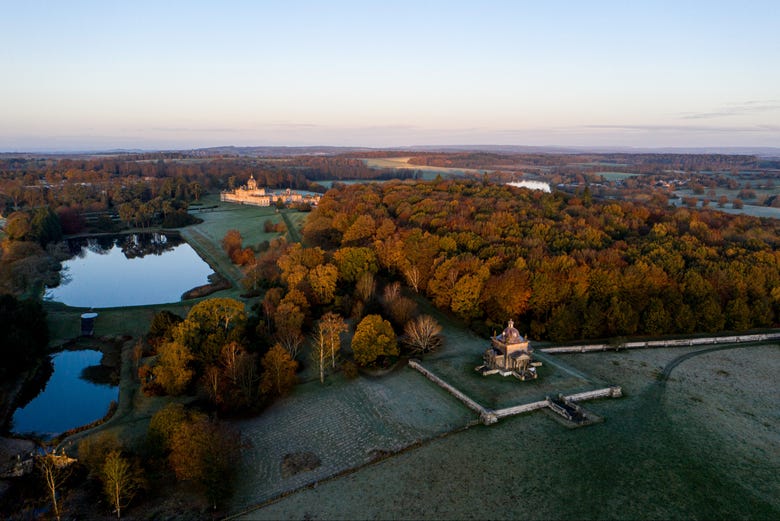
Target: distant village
251, 194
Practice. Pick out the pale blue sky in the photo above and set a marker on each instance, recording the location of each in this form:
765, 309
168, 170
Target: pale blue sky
170, 74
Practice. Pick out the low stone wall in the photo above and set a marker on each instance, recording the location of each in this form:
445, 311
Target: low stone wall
614, 391
681, 342
489, 416
520, 409
607, 392
471, 404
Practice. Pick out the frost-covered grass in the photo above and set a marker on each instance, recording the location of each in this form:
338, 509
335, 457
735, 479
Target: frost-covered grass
702, 445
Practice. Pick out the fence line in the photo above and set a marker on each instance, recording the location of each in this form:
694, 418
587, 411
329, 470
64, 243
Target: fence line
681, 342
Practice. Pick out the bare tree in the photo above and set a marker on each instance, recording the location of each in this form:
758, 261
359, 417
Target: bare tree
291, 341
421, 334
121, 480
247, 377
392, 291
231, 355
365, 286
334, 326
413, 277
319, 350
55, 471
212, 382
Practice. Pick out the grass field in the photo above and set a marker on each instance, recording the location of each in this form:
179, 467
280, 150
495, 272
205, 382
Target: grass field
430, 172
747, 208
248, 220
699, 446
601, 163
616, 176
218, 218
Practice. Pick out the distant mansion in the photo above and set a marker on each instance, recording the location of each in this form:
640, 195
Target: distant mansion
251, 194
509, 354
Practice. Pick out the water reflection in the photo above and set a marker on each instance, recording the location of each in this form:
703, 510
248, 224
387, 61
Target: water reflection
67, 400
136, 245
129, 270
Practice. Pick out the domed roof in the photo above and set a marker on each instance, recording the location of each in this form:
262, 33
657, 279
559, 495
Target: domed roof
510, 334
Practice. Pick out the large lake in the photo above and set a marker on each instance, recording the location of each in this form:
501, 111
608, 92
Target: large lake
68, 400
130, 270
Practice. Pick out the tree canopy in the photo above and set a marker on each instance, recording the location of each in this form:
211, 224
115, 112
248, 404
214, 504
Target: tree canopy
564, 267
374, 337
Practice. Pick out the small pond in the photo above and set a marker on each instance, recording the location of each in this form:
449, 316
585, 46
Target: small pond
129, 270
67, 400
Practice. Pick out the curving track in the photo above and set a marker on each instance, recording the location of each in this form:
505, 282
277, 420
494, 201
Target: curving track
664, 376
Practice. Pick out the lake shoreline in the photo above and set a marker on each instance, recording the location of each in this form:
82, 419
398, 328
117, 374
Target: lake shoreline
29, 385
132, 269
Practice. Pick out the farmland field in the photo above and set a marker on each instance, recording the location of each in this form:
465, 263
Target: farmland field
747, 208
430, 172
616, 176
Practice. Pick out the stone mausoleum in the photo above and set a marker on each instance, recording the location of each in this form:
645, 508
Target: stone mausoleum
509, 354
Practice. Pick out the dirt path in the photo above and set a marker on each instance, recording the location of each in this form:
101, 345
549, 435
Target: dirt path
664, 376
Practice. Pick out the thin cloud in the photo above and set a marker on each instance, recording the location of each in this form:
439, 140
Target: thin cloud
688, 128
735, 109
194, 129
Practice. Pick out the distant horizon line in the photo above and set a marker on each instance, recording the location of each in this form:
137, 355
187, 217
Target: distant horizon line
759, 150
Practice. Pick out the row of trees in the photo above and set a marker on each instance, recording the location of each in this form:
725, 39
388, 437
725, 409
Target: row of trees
640, 163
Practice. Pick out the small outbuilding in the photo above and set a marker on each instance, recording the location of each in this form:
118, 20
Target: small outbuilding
88, 323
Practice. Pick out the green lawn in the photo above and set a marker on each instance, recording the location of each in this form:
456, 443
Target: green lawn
616, 176
249, 220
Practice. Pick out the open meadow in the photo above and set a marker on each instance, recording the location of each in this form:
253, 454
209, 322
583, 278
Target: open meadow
429, 172
700, 445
